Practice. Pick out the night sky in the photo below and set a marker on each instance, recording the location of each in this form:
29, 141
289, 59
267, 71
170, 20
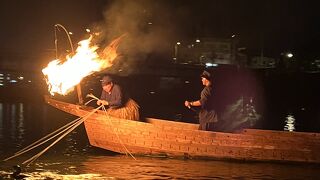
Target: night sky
27, 27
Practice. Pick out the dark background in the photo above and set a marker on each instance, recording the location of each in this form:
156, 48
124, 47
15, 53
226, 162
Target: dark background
275, 25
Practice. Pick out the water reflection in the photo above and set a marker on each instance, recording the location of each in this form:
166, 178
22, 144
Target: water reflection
23, 123
11, 110
12, 127
290, 123
20, 124
150, 168
1, 121
94, 166
51, 175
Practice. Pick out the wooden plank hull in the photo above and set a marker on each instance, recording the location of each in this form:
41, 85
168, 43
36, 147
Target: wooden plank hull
157, 137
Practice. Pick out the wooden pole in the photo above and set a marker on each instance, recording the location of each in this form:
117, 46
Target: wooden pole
79, 92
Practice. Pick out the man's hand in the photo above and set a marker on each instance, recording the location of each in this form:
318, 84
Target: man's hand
187, 104
103, 102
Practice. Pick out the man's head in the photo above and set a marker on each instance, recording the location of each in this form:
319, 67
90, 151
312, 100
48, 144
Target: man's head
206, 78
107, 83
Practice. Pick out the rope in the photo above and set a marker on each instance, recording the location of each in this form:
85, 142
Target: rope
71, 128
33, 158
34, 145
125, 148
112, 127
66, 129
48, 135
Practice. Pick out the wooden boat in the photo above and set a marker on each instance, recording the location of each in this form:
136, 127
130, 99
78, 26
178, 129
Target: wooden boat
156, 137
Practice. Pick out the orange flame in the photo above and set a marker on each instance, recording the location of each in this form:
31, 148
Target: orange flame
62, 77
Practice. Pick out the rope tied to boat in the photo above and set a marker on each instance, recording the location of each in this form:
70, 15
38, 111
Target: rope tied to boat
63, 131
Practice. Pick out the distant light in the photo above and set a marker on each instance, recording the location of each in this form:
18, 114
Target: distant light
29, 81
1, 84
289, 55
152, 92
187, 82
178, 43
197, 40
242, 48
13, 81
20, 77
150, 23
233, 35
88, 30
211, 65
70, 33
1, 74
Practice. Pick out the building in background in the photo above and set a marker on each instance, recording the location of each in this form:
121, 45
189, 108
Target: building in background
208, 51
20, 71
258, 62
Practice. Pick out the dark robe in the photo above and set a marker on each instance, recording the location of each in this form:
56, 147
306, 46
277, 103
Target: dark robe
115, 98
207, 115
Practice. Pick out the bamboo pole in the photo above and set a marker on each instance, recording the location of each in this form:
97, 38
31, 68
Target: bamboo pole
78, 88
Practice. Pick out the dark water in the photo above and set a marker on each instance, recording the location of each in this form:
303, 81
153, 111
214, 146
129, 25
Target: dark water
24, 118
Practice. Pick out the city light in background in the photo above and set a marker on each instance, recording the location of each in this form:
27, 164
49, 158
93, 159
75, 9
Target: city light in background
290, 123
289, 55
13, 79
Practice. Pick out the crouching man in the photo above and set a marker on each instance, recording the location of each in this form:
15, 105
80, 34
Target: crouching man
117, 104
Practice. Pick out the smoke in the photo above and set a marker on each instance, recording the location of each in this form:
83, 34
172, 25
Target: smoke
149, 26
239, 115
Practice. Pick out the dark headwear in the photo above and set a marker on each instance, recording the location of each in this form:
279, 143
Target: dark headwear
207, 75
106, 80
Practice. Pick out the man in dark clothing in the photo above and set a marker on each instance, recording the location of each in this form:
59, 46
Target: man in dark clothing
111, 95
120, 106
207, 115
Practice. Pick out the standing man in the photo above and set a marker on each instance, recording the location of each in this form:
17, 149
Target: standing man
207, 115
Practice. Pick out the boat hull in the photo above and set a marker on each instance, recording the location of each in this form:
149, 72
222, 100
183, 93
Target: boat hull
157, 137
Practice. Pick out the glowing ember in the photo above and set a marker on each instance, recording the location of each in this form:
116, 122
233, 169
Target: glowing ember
62, 77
